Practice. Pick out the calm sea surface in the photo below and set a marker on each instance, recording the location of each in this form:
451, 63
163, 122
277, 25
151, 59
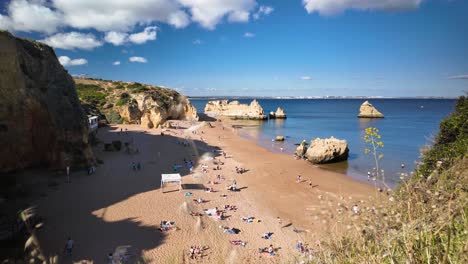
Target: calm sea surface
409, 124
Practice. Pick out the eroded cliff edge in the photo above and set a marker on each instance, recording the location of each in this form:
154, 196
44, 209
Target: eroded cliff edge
41, 119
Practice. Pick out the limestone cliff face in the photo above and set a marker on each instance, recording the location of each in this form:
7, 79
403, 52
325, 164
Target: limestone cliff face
367, 110
150, 113
235, 109
41, 120
135, 103
279, 114
327, 150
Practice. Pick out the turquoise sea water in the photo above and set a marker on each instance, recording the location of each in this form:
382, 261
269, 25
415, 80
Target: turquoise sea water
409, 124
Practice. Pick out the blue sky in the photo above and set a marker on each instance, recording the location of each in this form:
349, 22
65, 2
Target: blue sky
258, 48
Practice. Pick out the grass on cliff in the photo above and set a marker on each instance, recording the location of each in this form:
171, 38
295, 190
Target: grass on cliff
424, 220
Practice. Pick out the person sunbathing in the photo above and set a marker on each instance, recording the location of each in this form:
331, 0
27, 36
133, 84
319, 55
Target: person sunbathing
192, 213
200, 201
267, 235
165, 226
219, 215
248, 219
211, 212
230, 207
238, 243
231, 231
267, 250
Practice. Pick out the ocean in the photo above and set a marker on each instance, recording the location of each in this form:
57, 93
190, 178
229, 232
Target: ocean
409, 125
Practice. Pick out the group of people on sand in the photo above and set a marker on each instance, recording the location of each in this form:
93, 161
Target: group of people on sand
196, 252
240, 170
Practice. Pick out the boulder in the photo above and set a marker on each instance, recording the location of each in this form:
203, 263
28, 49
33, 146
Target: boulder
327, 150
41, 120
235, 109
367, 110
279, 138
301, 149
279, 114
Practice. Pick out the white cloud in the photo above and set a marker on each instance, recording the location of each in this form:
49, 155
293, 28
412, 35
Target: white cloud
48, 16
333, 7
120, 38
263, 11
30, 15
179, 19
306, 78
197, 42
66, 61
149, 33
117, 15
249, 35
72, 40
459, 77
209, 13
138, 59
239, 16
116, 63
116, 38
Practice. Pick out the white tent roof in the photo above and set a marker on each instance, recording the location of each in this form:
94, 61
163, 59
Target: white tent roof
174, 177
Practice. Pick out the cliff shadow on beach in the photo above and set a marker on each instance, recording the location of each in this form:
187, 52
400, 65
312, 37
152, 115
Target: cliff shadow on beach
85, 208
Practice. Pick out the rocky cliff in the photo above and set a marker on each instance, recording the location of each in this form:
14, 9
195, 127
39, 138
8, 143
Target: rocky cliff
235, 110
41, 120
327, 150
135, 103
279, 114
367, 110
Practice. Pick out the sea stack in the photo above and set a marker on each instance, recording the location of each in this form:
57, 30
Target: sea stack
41, 119
235, 110
327, 150
301, 149
279, 114
367, 110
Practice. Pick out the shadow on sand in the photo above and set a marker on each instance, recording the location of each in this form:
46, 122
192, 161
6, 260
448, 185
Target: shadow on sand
79, 208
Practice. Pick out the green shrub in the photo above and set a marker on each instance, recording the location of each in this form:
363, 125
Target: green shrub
91, 94
114, 118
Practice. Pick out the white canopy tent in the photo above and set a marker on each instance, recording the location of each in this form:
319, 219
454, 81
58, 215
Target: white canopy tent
174, 177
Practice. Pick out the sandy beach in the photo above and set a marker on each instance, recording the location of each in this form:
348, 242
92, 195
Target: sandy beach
117, 206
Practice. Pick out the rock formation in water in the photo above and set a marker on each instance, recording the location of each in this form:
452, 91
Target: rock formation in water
327, 150
279, 114
301, 149
41, 119
235, 110
135, 103
367, 110
279, 138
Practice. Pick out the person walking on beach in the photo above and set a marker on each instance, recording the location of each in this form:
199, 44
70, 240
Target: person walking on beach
69, 247
299, 178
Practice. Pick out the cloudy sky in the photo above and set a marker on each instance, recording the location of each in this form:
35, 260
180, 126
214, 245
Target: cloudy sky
256, 47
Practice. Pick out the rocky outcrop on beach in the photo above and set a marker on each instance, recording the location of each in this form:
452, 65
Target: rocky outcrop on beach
41, 119
367, 110
235, 109
301, 149
279, 114
327, 150
135, 103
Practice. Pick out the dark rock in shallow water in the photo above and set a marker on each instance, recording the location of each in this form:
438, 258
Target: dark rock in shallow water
44, 124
